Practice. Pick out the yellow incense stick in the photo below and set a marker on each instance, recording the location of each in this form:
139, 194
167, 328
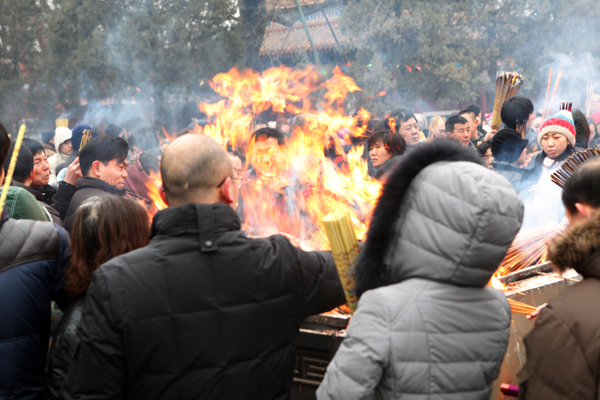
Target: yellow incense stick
344, 248
11, 166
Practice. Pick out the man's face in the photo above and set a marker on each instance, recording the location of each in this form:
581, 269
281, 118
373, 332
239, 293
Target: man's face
114, 172
41, 170
536, 124
473, 122
66, 147
265, 155
439, 131
462, 134
410, 132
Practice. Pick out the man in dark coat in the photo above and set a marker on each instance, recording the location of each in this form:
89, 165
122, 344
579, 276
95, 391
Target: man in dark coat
202, 312
103, 164
33, 255
563, 349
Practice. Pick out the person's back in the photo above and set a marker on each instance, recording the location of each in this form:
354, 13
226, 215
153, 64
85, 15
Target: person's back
426, 326
563, 348
32, 257
203, 311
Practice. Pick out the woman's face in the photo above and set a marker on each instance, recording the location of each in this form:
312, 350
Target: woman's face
592, 132
554, 144
488, 158
379, 154
537, 122
66, 147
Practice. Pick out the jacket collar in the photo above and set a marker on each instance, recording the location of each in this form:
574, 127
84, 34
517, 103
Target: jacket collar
205, 220
579, 248
95, 183
28, 188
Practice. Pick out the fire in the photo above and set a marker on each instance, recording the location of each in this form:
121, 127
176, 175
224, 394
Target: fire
496, 284
290, 187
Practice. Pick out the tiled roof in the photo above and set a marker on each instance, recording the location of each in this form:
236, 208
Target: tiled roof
281, 40
284, 4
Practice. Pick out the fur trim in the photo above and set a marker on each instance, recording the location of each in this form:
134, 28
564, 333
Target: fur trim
370, 270
574, 247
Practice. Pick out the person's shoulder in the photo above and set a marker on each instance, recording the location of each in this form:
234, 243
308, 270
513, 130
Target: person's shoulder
26, 241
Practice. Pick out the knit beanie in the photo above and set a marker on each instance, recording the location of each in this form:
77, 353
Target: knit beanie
561, 122
61, 135
78, 133
507, 145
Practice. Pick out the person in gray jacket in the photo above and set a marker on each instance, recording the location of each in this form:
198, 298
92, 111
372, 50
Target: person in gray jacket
427, 326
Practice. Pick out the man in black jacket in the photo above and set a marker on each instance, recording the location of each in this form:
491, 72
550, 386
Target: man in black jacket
103, 164
202, 312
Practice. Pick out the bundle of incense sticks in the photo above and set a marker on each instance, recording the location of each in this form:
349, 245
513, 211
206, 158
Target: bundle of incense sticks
528, 248
11, 167
461, 103
516, 307
566, 106
590, 94
568, 167
507, 86
547, 111
435, 120
344, 248
521, 128
62, 122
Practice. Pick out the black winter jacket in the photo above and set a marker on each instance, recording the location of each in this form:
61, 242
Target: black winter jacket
32, 259
88, 187
202, 312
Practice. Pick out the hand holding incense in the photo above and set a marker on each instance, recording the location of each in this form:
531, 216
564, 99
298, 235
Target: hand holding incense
11, 167
344, 247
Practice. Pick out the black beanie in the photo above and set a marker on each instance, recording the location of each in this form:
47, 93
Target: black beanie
507, 145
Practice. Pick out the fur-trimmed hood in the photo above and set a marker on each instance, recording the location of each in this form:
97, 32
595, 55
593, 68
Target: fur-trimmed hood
578, 248
441, 216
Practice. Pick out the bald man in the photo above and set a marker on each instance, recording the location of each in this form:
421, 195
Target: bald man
202, 312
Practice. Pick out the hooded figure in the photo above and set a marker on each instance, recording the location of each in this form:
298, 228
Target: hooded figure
61, 135
427, 326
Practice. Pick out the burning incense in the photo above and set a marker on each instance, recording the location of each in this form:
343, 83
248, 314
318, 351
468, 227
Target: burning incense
588, 104
553, 93
516, 307
568, 167
64, 122
507, 86
461, 103
547, 93
344, 248
435, 120
566, 106
11, 166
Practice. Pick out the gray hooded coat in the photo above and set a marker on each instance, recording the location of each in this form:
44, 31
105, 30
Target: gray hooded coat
434, 331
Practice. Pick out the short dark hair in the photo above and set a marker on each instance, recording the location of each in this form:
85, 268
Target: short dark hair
269, 133
475, 108
34, 146
47, 136
393, 142
483, 148
467, 111
104, 149
583, 186
144, 138
582, 128
453, 120
399, 116
516, 109
113, 130
4, 144
24, 164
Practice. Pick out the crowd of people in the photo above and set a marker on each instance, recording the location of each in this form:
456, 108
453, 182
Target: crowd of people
186, 304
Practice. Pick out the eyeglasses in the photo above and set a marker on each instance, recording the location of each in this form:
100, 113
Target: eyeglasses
233, 179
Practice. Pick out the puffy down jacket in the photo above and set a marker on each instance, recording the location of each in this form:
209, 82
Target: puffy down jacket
436, 332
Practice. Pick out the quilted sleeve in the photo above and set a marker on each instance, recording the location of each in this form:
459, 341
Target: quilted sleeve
362, 357
98, 370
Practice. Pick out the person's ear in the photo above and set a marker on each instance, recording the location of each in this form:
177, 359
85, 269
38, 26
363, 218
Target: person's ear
226, 190
585, 210
163, 194
96, 169
32, 174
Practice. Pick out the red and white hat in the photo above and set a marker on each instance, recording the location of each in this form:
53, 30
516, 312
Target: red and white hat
561, 122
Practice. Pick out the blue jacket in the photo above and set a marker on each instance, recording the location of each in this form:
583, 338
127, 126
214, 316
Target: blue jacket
33, 255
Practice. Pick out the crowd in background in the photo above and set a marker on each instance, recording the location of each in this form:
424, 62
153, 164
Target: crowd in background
187, 306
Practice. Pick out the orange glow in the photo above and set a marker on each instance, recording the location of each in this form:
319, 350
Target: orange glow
496, 284
289, 188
